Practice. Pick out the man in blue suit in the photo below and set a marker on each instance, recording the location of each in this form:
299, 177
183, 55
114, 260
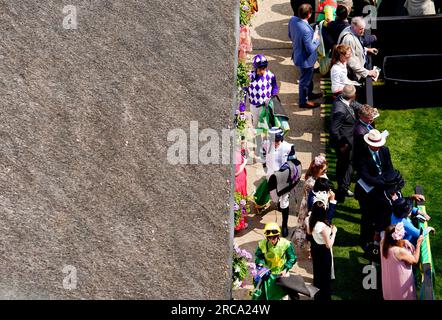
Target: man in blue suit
304, 42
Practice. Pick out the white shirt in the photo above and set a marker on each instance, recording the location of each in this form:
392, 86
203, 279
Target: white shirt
319, 227
275, 158
339, 78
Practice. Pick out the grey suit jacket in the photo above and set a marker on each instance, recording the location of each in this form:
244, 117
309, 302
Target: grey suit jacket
357, 61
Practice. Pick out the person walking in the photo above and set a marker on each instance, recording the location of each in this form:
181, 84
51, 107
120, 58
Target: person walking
277, 153
262, 87
305, 41
276, 254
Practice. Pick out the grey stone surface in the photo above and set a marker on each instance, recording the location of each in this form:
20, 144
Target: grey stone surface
84, 179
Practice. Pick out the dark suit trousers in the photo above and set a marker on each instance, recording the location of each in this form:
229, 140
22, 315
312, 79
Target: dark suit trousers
344, 169
367, 215
305, 84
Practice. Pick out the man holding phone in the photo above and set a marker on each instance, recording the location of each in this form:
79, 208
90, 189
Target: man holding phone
305, 41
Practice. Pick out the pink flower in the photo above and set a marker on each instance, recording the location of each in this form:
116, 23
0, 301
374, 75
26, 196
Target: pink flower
245, 8
243, 202
399, 231
319, 161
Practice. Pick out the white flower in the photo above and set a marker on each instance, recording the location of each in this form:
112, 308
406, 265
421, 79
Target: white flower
237, 269
237, 283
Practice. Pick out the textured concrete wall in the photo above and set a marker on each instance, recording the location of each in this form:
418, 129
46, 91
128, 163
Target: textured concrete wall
84, 179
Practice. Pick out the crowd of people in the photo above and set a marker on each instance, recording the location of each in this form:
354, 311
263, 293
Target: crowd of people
361, 155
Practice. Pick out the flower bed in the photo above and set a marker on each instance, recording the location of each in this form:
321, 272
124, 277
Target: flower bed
241, 267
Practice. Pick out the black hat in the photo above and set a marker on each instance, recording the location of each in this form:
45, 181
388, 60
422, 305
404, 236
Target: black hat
393, 181
402, 207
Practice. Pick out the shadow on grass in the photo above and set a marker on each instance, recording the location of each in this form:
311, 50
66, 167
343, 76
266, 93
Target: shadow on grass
351, 218
349, 278
345, 238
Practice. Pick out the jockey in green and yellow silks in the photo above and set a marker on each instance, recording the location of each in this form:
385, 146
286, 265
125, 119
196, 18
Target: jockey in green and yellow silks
327, 10
276, 254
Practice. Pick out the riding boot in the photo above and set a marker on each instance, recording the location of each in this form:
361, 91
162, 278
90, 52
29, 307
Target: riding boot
285, 219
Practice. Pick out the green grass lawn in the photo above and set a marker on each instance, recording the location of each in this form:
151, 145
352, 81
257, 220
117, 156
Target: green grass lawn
415, 144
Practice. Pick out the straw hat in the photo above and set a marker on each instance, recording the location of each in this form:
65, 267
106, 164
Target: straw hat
374, 138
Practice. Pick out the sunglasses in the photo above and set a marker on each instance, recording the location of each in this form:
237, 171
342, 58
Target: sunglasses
271, 233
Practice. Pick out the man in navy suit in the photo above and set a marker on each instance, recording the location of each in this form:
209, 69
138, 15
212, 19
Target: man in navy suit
304, 42
374, 164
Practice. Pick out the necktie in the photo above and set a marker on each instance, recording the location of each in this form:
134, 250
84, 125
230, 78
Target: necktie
378, 160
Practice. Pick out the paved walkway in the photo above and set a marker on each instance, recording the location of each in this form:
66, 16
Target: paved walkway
270, 37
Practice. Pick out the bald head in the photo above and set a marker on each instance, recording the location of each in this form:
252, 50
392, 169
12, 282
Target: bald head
349, 92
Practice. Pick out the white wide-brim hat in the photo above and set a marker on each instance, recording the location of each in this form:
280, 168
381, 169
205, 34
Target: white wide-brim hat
374, 138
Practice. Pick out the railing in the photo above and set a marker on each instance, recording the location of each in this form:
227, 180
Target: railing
426, 265
369, 81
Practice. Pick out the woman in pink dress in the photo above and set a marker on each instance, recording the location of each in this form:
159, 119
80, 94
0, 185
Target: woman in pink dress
397, 258
241, 172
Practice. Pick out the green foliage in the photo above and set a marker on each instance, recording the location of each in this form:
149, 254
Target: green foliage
240, 269
242, 75
242, 265
245, 15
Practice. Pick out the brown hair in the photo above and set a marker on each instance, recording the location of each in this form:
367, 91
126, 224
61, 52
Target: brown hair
313, 170
339, 51
304, 10
389, 242
367, 111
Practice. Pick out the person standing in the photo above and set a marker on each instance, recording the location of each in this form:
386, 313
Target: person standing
397, 258
365, 123
341, 135
338, 73
318, 168
420, 7
323, 237
305, 41
353, 37
335, 28
374, 163
403, 211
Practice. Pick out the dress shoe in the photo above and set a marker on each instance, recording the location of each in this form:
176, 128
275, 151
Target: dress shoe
315, 96
309, 105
